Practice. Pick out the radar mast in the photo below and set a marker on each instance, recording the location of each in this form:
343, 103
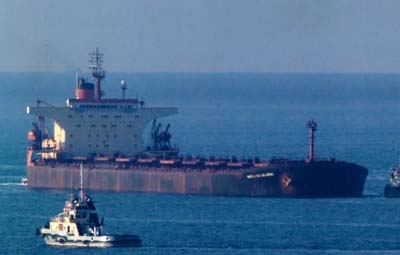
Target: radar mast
312, 125
96, 68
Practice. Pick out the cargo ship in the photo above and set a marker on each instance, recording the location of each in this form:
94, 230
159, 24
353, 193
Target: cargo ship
106, 135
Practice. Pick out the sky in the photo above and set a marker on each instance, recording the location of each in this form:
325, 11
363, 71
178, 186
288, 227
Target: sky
202, 35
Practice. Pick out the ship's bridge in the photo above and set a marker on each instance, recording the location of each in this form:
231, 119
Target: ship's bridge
101, 127
105, 104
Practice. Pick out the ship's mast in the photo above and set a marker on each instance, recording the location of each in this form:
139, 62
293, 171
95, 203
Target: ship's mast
312, 125
96, 68
123, 88
81, 194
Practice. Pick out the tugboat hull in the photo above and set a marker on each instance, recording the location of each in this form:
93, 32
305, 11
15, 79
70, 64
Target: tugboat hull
90, 241
283, 179
391, 192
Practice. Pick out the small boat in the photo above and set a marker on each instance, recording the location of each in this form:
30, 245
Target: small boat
78, 225
24, 181
392, 189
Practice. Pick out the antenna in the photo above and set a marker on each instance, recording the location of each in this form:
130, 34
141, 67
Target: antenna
312, 125
123, 88
96, 68
81, 175
81, 194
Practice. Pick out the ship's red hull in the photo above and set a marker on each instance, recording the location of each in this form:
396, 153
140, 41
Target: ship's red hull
284, 179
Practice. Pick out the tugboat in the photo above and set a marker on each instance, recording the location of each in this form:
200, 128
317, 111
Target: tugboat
79, 226
392, 189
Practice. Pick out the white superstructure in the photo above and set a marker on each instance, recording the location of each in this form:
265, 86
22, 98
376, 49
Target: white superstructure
89, 125
100, 127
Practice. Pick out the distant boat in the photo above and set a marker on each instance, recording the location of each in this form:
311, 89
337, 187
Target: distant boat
24, 181
392, 189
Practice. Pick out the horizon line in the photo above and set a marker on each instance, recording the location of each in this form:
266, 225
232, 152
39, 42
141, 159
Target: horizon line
204, 72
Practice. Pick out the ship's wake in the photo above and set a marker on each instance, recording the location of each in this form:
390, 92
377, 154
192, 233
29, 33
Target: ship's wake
12, 184
13, 181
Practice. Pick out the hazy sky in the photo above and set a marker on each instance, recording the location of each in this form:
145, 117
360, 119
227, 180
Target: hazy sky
202, 35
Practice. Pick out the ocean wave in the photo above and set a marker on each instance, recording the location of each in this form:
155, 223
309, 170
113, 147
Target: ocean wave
233, 222
11, 167
260, 250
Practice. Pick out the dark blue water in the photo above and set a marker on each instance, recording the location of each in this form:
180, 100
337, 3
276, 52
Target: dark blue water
225, 114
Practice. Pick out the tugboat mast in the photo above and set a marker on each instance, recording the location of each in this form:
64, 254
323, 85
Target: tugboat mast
95, 66
81, 194
312, 125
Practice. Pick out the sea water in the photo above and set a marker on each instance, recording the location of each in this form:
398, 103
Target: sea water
226, 114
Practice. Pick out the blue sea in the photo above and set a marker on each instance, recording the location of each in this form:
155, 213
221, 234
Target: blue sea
242, 114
